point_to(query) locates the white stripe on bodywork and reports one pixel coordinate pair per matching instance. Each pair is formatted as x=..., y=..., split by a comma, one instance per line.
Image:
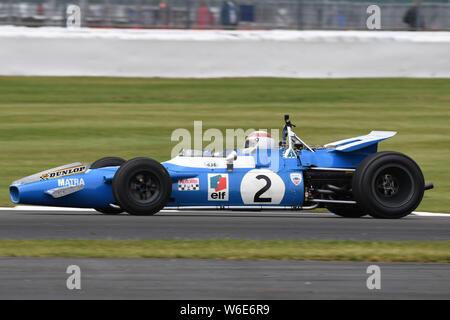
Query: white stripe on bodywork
x=64, y=191
x=331, y=169
x=212, y=162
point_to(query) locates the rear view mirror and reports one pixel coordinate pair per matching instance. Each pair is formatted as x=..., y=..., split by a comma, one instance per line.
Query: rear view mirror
x=230, y=159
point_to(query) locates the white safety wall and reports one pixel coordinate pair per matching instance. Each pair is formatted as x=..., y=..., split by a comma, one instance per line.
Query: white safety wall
x=191, y=53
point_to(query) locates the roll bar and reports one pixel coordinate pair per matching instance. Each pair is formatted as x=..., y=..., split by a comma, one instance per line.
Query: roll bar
x=290, y=135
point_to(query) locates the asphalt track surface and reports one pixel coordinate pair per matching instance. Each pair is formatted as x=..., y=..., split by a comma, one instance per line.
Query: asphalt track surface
x=45, y=278
x=16, y=224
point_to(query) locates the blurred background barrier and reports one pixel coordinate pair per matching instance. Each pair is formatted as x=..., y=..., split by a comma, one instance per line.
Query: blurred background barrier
x=220, y=53
x=246, y=14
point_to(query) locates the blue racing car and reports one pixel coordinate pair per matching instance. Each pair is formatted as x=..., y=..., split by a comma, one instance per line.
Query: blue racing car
x=348, y=177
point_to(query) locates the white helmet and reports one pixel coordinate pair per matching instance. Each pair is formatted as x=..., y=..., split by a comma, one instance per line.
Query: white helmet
x=259, y=139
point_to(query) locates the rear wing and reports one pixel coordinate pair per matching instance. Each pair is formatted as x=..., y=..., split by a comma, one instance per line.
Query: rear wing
x=360, y=142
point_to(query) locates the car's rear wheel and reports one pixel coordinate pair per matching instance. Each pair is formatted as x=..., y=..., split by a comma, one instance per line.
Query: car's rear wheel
x=108, y=162
x=388, y=185
x=142, y=186
x=347, y=211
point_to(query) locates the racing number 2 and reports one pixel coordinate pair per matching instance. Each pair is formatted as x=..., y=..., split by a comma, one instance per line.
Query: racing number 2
x=262, y=187
x=266, y=187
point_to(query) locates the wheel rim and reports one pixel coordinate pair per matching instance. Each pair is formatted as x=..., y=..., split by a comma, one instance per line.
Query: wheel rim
x=387, y=185
x=393, y=185
x=144, y=187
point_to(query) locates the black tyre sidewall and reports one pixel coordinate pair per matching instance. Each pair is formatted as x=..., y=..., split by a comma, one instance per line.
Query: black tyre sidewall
x=364, y=191
x=108, y=162
x=121, y=188
x=347, y=211
x=109, y=211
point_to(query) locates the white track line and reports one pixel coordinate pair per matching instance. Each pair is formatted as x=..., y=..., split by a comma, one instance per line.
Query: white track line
x=431, y=214
x=42, y=208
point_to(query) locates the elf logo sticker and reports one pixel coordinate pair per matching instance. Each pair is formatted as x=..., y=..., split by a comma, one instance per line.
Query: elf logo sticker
x=217, y=187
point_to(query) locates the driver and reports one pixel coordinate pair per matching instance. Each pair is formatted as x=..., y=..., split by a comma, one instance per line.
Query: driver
x=260, y=140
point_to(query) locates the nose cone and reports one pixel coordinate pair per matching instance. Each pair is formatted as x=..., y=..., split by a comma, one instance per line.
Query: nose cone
x=14, y=194
x=85, y=190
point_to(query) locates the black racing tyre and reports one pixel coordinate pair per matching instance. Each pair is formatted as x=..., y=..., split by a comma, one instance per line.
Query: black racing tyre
x=388, y=185
x=109, y=211
x=142, y=186
x=108, y=162
x=347, y=211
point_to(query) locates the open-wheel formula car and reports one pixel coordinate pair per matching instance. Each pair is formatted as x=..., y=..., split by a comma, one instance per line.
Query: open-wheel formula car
x=348, y=177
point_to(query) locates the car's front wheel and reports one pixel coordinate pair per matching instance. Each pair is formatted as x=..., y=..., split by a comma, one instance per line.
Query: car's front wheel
x=142, y=186
x=388, y=185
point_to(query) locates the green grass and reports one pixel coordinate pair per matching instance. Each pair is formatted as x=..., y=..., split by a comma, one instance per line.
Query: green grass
x=412, y=251
x=49, y=121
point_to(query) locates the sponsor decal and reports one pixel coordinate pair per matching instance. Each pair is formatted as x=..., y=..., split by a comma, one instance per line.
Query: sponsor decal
x=70, y=182
x=218, y=187
x=262, y=187
x=191, y=184
x=296, y=178
x=64, y=172
x=291, y=154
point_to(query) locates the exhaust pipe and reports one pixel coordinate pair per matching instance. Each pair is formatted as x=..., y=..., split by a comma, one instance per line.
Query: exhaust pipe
x=428, y=186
